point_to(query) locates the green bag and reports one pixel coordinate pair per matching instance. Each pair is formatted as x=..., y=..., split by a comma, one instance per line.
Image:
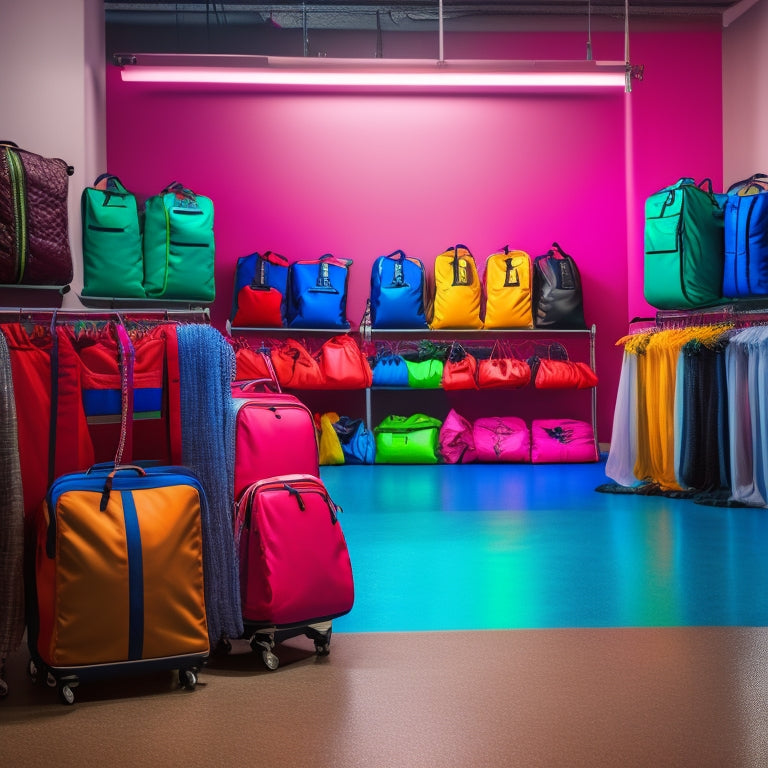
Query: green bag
x=684, y=246
x=407, y=439
x=179, y=246
x=425, y=374
x=113, y=266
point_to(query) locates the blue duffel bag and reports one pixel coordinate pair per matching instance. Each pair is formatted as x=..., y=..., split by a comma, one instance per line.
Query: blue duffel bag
x=745, y=270
x=317, y=293
x=398, y=292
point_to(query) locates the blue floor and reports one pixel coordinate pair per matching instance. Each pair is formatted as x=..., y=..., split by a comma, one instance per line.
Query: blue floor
x=514, y=546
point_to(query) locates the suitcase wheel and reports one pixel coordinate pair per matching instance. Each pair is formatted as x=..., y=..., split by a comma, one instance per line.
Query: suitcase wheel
x=66, y=694
x=188, y=679
x=266, y=643
x=322, y=640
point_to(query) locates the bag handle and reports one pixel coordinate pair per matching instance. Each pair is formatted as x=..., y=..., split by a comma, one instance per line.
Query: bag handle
x=558, y=252
x=180, y=189
x=110, y=479
x=759, y=180
x=273, y=258
x=461, y=275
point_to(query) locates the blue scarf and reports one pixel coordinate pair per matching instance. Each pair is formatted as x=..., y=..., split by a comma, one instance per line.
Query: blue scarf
x=206, y=367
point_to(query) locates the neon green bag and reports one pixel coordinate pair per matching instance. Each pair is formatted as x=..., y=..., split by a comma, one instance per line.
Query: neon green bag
x=113, y=265
x=179, y=246
x=407, y=439
x=425, y=374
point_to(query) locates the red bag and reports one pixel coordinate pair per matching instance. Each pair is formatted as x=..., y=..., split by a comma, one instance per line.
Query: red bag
x=343, y=364
x=587, y=377
x=556, y=374
x=503, y=373
x=459, y=370
x=259, y=307
x=252, y=364
x=295, y=368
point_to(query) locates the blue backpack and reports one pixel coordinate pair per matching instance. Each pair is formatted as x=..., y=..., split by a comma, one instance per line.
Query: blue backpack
x=745, y=270
x=398, y=292
x=260, y=291
x=317, y=293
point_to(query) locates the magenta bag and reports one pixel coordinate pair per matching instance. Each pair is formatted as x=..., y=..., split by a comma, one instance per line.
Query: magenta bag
x=562, y=441
x=457, y=444
x=502, y=438
x=294, y=563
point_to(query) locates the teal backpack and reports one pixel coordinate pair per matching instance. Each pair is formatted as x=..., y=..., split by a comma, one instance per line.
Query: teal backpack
x=684, y=246
x=179, y=246
x=112, y=255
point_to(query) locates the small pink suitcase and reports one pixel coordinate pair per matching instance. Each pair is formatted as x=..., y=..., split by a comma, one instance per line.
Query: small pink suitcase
x=295, y=571
x=274, y=435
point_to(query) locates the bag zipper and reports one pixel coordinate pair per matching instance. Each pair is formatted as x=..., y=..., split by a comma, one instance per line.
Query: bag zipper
x=19, y=195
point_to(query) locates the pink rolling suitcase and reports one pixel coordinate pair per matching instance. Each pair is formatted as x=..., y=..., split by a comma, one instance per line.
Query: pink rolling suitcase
x=295, y=571
x=274, y=435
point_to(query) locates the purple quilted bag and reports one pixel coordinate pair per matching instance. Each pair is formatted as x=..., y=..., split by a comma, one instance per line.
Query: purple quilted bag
x=34, y=218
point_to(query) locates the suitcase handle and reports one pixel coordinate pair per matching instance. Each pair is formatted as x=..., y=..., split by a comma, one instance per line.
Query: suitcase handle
x=108, y=482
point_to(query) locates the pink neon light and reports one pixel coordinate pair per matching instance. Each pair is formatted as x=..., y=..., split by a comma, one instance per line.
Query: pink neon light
x=373, y=79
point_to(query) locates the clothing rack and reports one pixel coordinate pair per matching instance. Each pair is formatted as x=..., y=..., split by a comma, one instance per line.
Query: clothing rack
x=741, y=314
x=63, y=316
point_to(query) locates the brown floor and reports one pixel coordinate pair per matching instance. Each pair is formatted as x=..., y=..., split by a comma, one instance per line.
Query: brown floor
x=567, y=697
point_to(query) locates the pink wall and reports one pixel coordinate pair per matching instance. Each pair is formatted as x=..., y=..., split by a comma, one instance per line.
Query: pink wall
x=360, y=176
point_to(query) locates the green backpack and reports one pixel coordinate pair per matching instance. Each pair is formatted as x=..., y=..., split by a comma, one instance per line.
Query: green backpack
x=179, y=246
x=684, y=246
x=112, y=257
